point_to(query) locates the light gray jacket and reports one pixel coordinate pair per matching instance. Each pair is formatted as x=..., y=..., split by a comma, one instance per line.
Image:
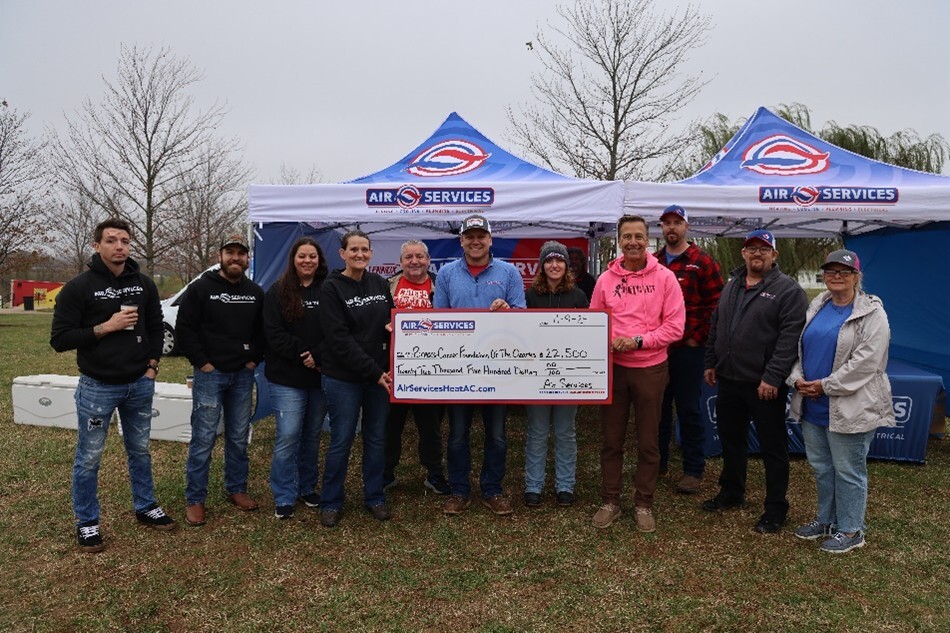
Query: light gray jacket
x=858, y=390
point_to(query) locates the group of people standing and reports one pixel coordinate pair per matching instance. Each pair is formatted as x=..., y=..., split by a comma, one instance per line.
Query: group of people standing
x=325, y=337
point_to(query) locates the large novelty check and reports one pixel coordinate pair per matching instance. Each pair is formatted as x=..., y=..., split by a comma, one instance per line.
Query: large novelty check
x=528, y=356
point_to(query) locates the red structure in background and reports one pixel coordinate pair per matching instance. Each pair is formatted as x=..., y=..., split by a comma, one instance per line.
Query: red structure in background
x=20, y=288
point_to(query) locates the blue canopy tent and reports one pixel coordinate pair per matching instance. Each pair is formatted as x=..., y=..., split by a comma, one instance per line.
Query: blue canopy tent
x=455, y=172
x=775, y=175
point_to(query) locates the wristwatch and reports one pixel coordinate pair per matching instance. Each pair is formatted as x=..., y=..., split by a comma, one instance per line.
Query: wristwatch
x=153, y=366
x=639, y=341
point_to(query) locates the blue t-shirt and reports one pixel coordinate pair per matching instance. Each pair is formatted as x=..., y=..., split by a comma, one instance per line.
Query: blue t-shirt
x=819, y=342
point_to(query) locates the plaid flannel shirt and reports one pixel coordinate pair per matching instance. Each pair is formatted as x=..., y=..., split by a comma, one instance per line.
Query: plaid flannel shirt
x=701, y=281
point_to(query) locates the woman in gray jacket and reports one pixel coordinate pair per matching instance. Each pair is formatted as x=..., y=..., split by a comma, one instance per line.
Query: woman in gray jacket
x=842, y=395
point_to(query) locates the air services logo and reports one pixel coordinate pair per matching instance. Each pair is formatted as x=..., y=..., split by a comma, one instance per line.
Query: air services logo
x=781, y=155
x=411, y=197
x=448, y=158
x=431, y=325
x=825, y=195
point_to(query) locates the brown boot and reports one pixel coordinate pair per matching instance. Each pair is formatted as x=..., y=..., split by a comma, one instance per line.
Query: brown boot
x=689, y=485
x=195, y=514
x=243, y=501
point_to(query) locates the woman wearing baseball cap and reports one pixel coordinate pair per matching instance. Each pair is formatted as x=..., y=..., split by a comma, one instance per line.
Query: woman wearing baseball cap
x=842, y=395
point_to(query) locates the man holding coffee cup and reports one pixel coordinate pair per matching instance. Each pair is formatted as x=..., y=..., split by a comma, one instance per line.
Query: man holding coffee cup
x=112, y=317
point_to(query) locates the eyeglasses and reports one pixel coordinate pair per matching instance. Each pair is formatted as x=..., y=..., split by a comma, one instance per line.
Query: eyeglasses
x=755, y=250
x=844, y=274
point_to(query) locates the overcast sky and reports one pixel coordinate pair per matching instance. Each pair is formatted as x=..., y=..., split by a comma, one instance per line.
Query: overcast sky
x=351, y=87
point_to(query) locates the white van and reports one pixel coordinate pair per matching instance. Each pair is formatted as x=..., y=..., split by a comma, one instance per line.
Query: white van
x=170, y=316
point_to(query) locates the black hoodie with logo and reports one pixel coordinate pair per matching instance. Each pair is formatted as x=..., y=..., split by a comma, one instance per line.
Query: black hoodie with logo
x=287, y=340
x=92, y=298
x=353, y=316
x=220, y=322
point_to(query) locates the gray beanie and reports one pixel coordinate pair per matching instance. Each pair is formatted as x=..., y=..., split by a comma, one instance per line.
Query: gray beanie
x=553, y=249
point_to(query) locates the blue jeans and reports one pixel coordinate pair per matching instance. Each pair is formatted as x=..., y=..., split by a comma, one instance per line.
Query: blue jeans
x=295, y=468
x=95, y=402
x=459, y=454
x=211, y=393
x=685, y=389
x=344, y=401
x=841, y=472
x=540, y=419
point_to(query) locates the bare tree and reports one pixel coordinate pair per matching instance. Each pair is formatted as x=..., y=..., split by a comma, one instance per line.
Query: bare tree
x=73, y=220
x=612, y=82
x=129, y=154
x=212, y=206
x=23, y=187
x=292, y=176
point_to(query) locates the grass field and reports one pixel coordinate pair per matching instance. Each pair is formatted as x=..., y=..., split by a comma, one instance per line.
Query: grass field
x=541, y=570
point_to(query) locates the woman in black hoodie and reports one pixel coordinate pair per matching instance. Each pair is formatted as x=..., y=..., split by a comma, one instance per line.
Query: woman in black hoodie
x=293, y=371
x=355, y=307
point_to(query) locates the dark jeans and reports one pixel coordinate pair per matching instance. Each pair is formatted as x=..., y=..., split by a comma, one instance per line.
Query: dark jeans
x=345, y=401
x=428, y=418
x=685, y=388
x=736, y=403
x=459, y=454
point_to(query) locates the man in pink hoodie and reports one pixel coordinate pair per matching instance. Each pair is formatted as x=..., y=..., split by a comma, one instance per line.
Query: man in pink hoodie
x=647, y=314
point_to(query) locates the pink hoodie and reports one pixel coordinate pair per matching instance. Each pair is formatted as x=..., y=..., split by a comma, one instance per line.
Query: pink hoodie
x=647, y=303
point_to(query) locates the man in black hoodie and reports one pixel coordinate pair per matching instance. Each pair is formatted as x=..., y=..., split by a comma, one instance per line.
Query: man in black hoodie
x=220, y=331
x=753, y=343
x=111, y=316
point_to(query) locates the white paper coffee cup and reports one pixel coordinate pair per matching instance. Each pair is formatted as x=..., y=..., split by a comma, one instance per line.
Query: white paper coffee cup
x=129, y=307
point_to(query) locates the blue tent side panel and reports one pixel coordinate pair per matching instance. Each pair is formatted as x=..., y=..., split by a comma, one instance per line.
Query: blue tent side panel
x=457, y=152
x=272, y=243
x=906, y=270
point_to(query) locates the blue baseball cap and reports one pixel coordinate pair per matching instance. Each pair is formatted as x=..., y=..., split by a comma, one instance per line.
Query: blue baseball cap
x=676, y=210
x=762, y=235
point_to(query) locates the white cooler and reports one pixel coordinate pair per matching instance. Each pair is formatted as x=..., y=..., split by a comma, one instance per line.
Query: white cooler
x=47, y=400
x=171, y=412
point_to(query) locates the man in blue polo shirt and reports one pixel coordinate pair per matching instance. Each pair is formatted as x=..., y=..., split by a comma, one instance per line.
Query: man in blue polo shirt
x=478, y=280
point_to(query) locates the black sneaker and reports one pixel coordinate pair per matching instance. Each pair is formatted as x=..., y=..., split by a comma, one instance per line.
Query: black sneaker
x=155, y=517
x=717, y=504
x=311, y=500
x=565, y=498
x=88, y=537
x=770, y=525
x=532, y=499
x=438, y=485
x=284, y=512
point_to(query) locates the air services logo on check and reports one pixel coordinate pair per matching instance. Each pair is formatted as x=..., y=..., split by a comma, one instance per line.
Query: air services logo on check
x=425, y=326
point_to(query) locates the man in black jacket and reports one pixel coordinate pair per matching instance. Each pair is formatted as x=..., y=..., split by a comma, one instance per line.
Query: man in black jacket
x=753, y=343
x=220, y=331
x=111, y=316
